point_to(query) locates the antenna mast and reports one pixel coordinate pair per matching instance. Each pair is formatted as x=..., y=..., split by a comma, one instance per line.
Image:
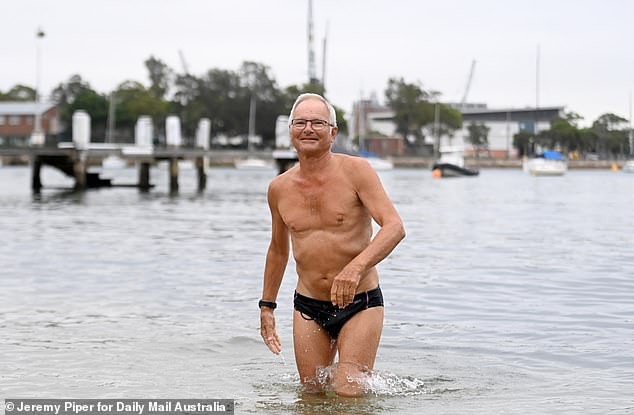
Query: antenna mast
x=312, y=76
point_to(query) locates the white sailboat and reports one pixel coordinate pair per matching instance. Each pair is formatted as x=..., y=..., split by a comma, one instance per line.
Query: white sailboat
x=113, y=161
x=628, y=167
x=252, y=163
x=550, y=163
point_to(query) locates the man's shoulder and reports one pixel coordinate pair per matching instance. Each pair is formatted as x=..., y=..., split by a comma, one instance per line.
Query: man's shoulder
x=283, y=180
x=353, y=165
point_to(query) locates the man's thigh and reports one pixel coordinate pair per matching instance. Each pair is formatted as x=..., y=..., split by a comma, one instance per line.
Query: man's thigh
x=313, y=347
x=359, y=338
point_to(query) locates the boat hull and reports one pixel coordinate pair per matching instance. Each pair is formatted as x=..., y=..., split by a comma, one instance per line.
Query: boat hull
x=452, y=170
x=545, y=167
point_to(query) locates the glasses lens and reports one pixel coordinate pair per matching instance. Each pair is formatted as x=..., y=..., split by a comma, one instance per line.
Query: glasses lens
x=318, y=124
x=299, y=124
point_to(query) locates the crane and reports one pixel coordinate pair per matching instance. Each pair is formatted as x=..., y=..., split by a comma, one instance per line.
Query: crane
x=183, y=62
x=466, y=90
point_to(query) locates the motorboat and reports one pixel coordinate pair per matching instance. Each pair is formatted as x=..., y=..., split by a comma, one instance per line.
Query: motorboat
x=550, y=163
x=451, y=164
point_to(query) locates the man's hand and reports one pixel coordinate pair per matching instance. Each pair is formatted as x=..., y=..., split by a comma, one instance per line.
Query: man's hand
x=344, y=286
x=267, y=330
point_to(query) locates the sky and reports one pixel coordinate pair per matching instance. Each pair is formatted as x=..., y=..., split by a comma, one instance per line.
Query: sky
x=586, y=57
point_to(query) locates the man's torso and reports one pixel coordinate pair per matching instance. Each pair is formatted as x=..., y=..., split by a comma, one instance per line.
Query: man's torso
x=328, y=225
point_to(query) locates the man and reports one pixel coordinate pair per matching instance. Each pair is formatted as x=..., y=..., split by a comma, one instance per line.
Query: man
x=326, y=205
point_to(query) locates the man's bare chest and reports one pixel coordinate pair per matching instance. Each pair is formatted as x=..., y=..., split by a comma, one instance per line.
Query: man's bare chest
x=319, y=207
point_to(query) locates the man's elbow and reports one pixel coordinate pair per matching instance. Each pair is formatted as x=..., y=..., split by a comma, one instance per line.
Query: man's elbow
x=402, y=232
x=399, y=230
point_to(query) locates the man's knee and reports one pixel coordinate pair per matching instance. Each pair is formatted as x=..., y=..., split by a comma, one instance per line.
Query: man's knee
x=350, y=380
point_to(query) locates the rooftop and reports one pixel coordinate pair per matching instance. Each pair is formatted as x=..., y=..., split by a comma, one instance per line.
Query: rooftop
x=24, y=108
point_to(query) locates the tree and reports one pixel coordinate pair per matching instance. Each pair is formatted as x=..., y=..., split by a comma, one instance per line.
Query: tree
x=611, y=133
x=478, y=136
x=413, y=109
x=76, y=94
x=160, y=76
x=522, y=141
x=19, y=93
x=134, y=100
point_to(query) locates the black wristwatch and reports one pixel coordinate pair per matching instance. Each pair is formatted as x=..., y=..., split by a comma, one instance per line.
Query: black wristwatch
x=269, y=304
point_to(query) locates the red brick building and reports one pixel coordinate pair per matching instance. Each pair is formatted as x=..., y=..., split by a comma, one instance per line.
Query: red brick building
x=17, y=121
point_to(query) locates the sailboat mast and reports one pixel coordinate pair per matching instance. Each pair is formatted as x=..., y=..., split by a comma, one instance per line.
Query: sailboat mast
x=251, y=121
x=631, y=138
x=111, y=118
x=536, y=90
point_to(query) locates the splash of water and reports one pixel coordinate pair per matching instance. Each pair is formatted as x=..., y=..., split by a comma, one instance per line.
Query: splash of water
x=377, y=383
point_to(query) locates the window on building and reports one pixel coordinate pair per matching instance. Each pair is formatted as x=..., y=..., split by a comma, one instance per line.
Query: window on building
x=14, y=120
x=2, y=119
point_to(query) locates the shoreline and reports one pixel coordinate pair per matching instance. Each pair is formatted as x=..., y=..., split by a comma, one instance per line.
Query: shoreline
x=226, y=158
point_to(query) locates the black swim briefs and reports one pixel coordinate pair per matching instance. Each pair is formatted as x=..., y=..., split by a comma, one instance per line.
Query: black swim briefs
x=332, y=318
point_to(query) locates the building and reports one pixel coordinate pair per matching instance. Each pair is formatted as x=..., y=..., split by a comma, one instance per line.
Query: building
x=372, y=126
x=372, y=123
x=17, y=121
x=503, y=124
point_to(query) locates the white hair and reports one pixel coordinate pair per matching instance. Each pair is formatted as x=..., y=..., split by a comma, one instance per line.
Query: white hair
x=306, y=96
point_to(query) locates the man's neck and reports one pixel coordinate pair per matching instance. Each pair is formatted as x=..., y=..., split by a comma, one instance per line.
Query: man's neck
x=312, y=165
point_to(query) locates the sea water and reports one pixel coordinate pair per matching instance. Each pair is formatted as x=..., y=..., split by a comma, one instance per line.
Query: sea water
x=510, y=294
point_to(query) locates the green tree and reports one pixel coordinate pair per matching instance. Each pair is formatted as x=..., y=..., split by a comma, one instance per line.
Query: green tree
x=611, y=132
x=134, y=100
x=478, y=136
x=76, y=94
x=160, y=76
x=523, y=141
x=415, y=108
x=18, y=93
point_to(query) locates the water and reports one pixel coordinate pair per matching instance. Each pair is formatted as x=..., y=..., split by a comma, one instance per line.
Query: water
x=510, y=295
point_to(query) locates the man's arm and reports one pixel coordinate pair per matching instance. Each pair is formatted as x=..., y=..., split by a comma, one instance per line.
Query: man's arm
x=276, y=260
x=375, y=199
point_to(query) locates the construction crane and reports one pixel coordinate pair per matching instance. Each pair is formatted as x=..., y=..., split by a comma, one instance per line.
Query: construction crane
x=183, y=62
x=466, y=90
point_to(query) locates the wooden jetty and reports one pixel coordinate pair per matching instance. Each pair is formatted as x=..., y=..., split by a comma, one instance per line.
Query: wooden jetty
x=74, y=162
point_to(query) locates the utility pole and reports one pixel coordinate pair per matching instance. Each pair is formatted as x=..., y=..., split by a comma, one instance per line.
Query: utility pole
x=37, y=136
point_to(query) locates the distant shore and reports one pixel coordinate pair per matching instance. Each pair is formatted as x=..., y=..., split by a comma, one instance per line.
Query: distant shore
x=226, y=158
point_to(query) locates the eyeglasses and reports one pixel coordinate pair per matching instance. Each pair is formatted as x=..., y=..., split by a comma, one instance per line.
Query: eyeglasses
x=300, y=124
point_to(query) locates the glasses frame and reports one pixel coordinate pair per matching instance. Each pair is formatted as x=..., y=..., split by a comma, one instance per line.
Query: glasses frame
x=311, y=124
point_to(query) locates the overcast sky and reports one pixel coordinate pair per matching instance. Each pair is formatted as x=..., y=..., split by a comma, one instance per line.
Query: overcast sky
x=586, y=46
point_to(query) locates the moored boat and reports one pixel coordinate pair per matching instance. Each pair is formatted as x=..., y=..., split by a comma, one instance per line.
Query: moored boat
x=550, y=163
x=451, y=164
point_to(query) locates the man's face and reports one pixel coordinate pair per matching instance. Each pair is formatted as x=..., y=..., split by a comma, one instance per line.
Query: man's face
x=310, y=139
